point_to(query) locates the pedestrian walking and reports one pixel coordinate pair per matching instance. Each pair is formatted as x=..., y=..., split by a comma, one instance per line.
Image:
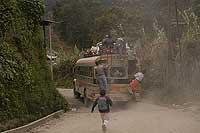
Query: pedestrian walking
x=135, y=85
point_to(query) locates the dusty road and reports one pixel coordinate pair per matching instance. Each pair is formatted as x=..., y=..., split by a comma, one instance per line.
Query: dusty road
x=140, y=117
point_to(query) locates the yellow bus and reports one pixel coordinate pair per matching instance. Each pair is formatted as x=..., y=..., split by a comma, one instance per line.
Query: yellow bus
x=85, y=81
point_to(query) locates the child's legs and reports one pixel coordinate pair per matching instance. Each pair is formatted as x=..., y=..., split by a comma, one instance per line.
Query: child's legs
x=100, y=82
x=104, y=116
x=105, y=84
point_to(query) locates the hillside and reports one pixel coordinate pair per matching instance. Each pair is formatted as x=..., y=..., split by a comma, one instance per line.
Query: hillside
x=26, y=91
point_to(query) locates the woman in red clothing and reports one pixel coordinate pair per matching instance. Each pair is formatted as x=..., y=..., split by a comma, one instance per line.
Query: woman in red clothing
x=135, y=85
x=135, y=89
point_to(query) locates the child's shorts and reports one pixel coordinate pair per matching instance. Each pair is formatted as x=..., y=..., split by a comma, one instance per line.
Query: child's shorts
x=105, y=116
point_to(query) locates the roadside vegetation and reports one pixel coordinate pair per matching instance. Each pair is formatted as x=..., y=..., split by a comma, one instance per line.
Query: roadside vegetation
x=63, y=71
x=171, y=56
x=26, y=90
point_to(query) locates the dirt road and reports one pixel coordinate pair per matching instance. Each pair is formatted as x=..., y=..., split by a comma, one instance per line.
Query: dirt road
x=142, y=117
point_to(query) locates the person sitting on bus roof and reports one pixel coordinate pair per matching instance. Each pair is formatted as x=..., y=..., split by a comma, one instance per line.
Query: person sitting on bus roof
x=108, y=42
x=101, y=76
x=95, y=50
x=99, y=47
x=120, y=46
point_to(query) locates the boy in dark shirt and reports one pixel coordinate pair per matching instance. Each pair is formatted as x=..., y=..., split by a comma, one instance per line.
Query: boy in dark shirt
x=104, y=103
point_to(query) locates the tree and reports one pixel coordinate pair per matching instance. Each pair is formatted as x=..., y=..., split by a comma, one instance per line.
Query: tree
x=86, y=22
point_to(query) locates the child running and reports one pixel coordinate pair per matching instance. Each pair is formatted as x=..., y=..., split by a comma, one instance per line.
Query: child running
x=104, y=103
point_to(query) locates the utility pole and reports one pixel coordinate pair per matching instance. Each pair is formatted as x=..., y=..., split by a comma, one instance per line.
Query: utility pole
x=180, y=77
x=178, y=31
x=168, y=48
x=50, y=47
x=48, y=23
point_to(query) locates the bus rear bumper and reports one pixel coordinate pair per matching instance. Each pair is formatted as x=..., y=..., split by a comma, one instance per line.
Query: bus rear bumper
x=119, y=97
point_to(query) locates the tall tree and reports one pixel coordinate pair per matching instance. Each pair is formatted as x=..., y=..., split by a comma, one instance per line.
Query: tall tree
x=85, y=22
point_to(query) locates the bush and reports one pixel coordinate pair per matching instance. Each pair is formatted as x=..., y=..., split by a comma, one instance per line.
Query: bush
x=63, y=72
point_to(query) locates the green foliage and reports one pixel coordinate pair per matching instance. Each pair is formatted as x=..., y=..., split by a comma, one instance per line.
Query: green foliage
x=63, y=72
x=6, y=13
x=26, y=91
x=196, y=7
x=76, y=50
x=177, y=64
x=85, y=22
x=32, y=10
x=192, y=26
x=75, y=22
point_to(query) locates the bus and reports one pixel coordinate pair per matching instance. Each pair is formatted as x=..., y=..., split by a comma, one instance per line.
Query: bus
x=85, y=81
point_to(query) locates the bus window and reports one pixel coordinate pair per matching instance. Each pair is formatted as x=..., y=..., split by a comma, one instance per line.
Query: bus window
x=83, y=70
x=91, y=72
x=76, y=70
x=117, y=72
x=86, y=71
x=103, y=62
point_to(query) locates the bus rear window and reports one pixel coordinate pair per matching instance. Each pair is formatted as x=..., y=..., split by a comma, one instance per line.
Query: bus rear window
x=117, y=72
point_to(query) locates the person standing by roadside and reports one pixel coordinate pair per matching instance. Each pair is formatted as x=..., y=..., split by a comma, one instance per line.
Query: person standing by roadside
x=101, y=76
x=104, y=103
x=135, y=85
